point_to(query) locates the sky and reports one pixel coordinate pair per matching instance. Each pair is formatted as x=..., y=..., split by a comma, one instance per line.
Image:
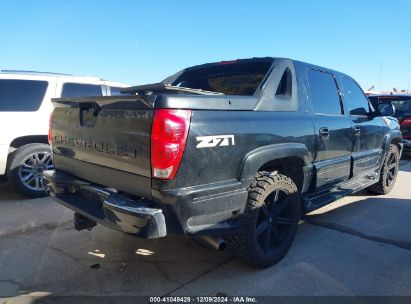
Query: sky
x=138, y=41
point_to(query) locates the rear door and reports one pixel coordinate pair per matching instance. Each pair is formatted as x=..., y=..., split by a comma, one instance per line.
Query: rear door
x=368, y=130
x=334, y=136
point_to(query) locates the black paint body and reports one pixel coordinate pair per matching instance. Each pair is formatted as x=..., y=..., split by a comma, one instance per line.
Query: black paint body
x=209, y=191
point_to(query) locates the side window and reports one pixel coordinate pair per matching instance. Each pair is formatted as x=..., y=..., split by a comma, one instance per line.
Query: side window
x=354, y=98
x=80, y=89
x=324, y=94
x=21, y=95
x=285, y=85
x=116, y=91
x=374, y=101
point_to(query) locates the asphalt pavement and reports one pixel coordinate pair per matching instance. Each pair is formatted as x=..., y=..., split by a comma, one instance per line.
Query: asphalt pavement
x=360, y=245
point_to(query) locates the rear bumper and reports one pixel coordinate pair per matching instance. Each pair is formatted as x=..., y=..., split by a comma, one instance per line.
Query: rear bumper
x=199, y=210
x=106, y=207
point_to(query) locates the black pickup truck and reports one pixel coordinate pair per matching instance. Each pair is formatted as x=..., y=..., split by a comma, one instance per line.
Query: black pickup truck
x=233, y=152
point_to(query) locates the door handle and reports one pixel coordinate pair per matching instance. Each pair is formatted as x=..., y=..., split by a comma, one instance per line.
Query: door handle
x=324, y=132
x=357, y=130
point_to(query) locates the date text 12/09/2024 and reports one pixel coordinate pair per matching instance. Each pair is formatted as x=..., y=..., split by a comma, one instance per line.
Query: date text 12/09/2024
x=201, y=299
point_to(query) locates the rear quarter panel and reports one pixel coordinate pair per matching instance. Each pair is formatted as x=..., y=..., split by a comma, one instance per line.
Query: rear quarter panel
x=250, y=129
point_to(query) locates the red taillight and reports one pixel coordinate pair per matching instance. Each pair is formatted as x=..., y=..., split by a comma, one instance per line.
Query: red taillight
x=168, y=140
x=406, y=121
x=50, y=136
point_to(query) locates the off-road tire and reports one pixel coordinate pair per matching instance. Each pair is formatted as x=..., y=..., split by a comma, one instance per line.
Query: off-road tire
x=245, y=244
x=381, y=187
x=16, y=160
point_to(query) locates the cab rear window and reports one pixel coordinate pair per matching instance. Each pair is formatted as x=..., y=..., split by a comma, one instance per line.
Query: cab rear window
x=21, y=95
x=240, y=77
x=244, y=84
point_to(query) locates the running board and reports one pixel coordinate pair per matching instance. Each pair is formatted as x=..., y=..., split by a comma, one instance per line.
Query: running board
x=325, y=197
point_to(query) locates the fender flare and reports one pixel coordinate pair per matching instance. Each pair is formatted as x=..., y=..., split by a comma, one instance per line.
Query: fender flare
x=388, y=139
x=257, y=158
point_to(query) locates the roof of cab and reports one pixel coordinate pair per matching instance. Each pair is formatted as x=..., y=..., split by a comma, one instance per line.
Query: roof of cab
x=271, y=59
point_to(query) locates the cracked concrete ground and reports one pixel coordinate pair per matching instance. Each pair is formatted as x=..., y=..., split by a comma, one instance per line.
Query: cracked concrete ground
x=360, y=245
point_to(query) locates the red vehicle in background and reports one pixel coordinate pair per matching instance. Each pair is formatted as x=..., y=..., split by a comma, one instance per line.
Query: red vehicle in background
x=402, y=106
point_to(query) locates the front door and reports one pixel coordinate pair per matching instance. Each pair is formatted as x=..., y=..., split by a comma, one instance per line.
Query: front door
x=333, y=129
x=367, y=130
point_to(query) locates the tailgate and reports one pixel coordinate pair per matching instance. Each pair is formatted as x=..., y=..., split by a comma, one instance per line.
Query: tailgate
x=110, y=132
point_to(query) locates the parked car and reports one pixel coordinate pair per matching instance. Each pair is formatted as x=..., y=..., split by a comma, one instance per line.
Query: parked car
x=402, y=106
x=25, y=108
x=231, y=151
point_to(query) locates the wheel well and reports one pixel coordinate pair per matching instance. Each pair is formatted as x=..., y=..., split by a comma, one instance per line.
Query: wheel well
x=290, y=166
x=396, y=141
x=24, y=140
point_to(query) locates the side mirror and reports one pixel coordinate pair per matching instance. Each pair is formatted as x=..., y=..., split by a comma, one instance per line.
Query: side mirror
x=385, y=109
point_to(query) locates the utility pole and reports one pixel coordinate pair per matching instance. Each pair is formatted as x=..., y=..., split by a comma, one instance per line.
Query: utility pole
x=380, y=75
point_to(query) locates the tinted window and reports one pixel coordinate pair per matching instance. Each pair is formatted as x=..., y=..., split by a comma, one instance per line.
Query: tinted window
x=402, y=107
x=21, y=95
x=285, y=85
x=240, y=77
x=79, y=89
x=324, y=95
x=373, y=100
x=354, y=98
x=402, y=104
x=244, y=84
x=116, y=91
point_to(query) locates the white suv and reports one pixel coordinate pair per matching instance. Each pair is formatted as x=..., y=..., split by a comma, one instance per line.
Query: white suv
x=25, y=108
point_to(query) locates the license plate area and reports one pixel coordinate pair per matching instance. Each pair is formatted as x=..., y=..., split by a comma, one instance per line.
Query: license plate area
x=92, y=194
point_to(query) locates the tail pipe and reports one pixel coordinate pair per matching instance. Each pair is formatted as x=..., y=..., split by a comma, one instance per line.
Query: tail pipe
x=216, y=243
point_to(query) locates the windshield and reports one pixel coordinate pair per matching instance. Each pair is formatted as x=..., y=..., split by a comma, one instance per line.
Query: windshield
x=240, y=77
x=402, y=104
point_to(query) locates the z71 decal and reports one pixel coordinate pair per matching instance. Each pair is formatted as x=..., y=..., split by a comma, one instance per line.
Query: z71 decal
x=214, y=141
